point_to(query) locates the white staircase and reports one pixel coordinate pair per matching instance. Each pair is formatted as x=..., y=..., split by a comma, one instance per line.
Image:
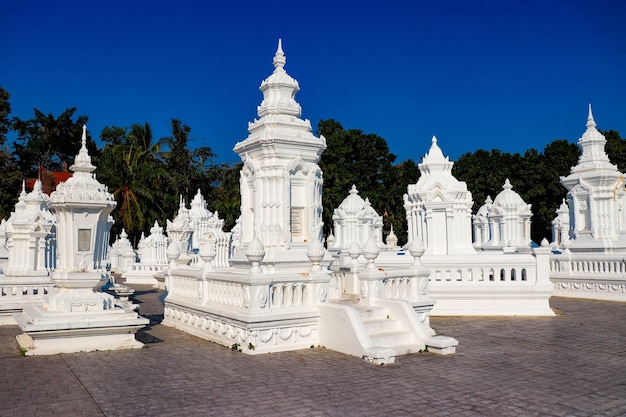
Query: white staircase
x=377, y=332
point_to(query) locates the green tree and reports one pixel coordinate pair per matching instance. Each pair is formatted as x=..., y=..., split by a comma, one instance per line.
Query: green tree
x=616, y=149
x=9, y=174
x=353, y=157
x=224, y=196
x=5, y=111
x=48, y=141
x=131, y=167
x=396, y=180
x=534, y=176
x=485, y=173
x=559, y=157
x=187, y=168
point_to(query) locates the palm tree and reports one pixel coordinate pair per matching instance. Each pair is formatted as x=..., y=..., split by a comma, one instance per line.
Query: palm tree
x=137, y=176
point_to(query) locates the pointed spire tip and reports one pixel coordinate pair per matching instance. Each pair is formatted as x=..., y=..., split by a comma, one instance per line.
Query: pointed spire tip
x=279, y=57
x=590, y=121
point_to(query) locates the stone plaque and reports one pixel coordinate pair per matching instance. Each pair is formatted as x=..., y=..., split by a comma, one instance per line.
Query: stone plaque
x=296, y=221
x=84, y=240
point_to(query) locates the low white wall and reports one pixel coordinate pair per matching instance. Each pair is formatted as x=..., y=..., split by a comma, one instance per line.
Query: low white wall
x=594, y=276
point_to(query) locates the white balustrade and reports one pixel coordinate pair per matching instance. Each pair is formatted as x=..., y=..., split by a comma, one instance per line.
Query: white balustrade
x=282, y=295
x=24, y=291
x=289, y=294
x=594, y=276
x=138, y=267
x=185, y=286
x=489, y=273
x=224, y=293
x=400, y=287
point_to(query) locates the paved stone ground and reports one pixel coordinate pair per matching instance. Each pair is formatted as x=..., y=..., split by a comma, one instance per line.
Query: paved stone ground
x=570, y=365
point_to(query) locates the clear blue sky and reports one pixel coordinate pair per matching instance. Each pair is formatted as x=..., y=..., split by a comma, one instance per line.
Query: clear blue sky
x=477, y=74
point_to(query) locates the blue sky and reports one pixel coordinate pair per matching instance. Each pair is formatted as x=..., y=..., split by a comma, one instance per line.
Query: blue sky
x=477, y=74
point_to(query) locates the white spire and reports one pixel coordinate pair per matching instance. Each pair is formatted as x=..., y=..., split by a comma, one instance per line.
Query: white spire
x=279, y=58
x=23, y=193
x=82, y=162
x=590, y=121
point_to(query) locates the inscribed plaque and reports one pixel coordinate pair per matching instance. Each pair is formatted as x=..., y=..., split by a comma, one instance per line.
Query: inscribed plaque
x=84, y=240
x=296, y=221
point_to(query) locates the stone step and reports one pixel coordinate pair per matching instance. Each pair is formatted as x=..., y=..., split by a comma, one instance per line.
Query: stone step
x=407, y=349
x=372, y=313
x=391, y=339
x=381, y=325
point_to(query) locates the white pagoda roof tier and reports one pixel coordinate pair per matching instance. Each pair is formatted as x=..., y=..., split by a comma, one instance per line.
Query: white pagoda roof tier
x=436, y=177
x=82, y=186
x=593, y=156
x=280, y=125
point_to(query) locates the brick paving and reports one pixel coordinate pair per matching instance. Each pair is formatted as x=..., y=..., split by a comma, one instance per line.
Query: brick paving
x=570, y=365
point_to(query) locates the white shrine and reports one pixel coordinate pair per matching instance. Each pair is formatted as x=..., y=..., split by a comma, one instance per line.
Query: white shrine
x=596, y=197
x=152, y=253
x=121, y=254
x=200, y=217
x=497, y=274
x=439, y=207
x=503, y=224
x=589, y=231
x=276, y=295
x=75, y=316
x=180, y=229
x=30, y=233
x=355, y=220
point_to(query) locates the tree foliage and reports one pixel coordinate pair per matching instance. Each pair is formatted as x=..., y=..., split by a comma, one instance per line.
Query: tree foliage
x=5, y=111
x=9, y=174
x=48, y=141
x=616, y=149
x=187, y=168
x=224, y=196
x=534, y=176
x=351, y=157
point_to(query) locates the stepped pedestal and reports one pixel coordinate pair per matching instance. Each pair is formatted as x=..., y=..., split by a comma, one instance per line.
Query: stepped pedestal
x=77, y=320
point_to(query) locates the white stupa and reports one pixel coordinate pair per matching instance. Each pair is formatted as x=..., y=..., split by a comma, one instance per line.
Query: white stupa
x=439, y=207
x=76, y=316
x=596, y=197
x=267, y=300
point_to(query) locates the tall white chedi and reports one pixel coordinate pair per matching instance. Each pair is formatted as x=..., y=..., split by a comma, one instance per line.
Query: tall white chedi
x=76, y=316
x=595, y=196
x=439, y=207
x=266, y=299
x=281, y=183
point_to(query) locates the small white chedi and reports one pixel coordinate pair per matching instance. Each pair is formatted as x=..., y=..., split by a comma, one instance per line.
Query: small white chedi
x=75, y=316
x=595, y=197
x=30, y=233
x=589, y=232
